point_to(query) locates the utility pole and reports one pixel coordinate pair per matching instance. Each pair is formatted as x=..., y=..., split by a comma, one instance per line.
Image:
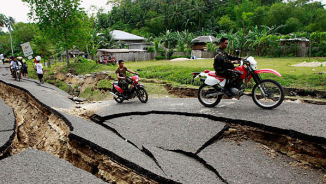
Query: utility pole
x=12, y=51
x=8, y=25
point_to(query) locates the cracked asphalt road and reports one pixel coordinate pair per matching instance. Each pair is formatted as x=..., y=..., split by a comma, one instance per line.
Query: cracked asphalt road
x=163, y=135
x=302, y=117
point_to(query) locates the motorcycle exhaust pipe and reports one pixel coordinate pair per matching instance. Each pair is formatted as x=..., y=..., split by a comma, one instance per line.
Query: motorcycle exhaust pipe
x=114, y=95
x=214, y=94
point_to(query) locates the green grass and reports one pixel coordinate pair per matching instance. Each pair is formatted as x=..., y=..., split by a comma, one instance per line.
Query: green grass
x=63, y=86
x=104, y=84
x=180, y=72
x=157, y=91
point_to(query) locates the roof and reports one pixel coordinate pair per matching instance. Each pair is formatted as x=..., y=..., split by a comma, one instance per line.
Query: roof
x=139, y=44
x=295, y=39
x=120, y=50
x=205, y=39
x=121, y=35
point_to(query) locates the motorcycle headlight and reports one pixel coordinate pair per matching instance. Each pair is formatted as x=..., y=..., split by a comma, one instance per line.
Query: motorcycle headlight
x=254, y=66
x=137, y=80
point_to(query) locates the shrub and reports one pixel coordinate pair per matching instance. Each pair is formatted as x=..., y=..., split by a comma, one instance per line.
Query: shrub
x=65, y=87
x=160, y=57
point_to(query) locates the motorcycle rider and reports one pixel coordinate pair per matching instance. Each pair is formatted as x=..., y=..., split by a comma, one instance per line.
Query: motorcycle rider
x=13, y=64
x=223, y=65
x=121, y=73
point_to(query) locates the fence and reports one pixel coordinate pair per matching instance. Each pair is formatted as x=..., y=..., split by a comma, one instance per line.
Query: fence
x=202, y=54
x=134, y=56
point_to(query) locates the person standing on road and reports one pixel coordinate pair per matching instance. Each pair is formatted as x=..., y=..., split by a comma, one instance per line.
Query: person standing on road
x=25, y=69
x=121, y=73
x=39, y=68
x=223, y=64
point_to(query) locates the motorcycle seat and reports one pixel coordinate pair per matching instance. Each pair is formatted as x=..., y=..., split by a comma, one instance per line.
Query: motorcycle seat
x=213, y=74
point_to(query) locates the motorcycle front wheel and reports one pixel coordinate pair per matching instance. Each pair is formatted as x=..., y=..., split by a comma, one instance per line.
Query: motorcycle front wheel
x=268, y=94
x=142, y=95
x=117, y=99
x=205, y=96
x=18, y=76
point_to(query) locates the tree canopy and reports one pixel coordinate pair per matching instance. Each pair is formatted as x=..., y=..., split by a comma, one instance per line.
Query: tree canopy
x=157, y=16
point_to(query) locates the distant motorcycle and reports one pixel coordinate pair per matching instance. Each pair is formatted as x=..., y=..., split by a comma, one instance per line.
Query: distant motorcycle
x=136, y=89
x=267, y=93
x=17, y=74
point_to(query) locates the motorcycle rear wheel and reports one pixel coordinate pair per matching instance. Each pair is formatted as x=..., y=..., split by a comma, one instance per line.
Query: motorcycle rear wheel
x=118, y=99
x=205, y=90
x=268, y=94
x=142, y=95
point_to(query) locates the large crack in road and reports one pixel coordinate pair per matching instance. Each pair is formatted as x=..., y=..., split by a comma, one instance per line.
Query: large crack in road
x=40, y=127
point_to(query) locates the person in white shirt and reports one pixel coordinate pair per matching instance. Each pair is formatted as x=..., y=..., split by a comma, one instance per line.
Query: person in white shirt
x=39, y=68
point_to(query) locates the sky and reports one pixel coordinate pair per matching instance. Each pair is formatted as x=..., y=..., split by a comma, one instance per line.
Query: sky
x=19, y=10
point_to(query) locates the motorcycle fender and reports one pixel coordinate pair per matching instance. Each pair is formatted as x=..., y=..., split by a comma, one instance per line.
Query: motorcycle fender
x=268, y=71
x=142, y=85
x=118, y=88
x=211, y=81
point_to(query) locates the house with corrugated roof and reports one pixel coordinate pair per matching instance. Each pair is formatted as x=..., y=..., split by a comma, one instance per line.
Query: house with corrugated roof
x=137, y=48
x=301, y=46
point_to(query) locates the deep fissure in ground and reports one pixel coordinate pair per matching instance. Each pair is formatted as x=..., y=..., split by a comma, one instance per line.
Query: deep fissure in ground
x=39, y=127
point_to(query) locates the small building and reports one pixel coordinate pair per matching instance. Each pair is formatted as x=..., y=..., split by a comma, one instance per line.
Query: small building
x=200, y=42
x=137, y=48
x=301, y=44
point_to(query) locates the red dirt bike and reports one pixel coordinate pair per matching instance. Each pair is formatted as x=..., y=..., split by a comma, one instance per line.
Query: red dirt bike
x=267, y=93
x=136, y=89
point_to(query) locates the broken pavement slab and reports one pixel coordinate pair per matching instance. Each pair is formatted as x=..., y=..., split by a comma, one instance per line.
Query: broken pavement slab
x=232, y=160
x=167, y=131
x=7, y=125
x=34, y=166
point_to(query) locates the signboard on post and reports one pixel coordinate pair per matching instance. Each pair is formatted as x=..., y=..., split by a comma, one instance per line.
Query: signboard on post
x=27, y=49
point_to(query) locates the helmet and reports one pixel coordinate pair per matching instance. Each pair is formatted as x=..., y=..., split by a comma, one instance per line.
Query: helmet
x=38, y=58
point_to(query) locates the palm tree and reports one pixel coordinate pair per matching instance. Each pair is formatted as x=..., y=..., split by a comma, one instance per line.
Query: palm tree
x=158, y=47
x=167, y=39
x=105, y=39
